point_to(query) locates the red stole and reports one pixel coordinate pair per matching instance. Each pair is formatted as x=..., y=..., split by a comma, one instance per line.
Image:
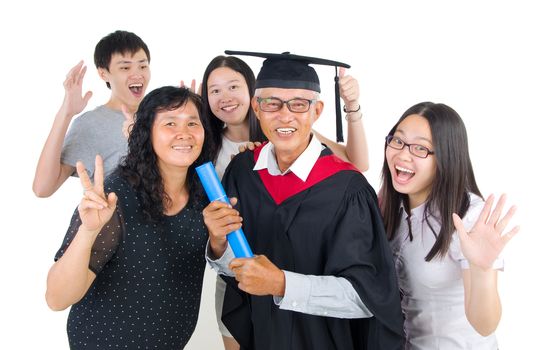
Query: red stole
x=281, y=187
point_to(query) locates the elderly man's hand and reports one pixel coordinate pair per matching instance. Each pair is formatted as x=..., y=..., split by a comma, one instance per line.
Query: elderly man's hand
x=258, y=276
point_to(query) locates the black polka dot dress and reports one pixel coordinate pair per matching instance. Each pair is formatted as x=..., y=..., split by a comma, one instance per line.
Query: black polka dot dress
x=149, y=278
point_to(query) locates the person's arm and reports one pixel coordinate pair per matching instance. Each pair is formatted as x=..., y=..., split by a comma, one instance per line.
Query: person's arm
x=221, y=264
x=481, y=247
x=356, y=150
x=481, y=299
x=50, y=173
x=70, y=277
x=328, y=296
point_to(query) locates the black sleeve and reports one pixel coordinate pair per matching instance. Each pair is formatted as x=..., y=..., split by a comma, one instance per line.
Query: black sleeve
x=236, y=313
x=359, y=252
x=105, y=244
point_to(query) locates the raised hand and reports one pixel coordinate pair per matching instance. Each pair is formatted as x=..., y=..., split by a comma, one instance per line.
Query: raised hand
x=349, y=90
x=485, y=241
x=128, y=122
x=95, y=208
x=73, y=101
x=192, y=86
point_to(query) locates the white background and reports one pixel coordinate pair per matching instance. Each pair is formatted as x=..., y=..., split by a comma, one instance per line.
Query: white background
x=478, y=57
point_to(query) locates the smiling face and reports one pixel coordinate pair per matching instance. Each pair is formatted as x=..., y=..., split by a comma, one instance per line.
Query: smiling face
x=228, y=95
x=289, y=132
x=410, y=174
x=128, y=75
x=177, y=137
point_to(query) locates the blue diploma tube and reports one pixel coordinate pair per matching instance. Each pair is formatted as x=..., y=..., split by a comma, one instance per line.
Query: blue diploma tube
x=215, y=192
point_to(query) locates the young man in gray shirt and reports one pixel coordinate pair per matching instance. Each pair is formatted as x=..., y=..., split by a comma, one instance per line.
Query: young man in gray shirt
x=122, y=60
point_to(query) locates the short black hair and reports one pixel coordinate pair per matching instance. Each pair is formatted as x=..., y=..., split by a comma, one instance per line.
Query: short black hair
x=121, y=42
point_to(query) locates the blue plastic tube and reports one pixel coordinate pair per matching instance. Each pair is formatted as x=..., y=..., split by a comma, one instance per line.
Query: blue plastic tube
x=215, y=192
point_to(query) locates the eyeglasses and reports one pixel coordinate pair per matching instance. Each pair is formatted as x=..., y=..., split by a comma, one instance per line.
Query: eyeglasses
x=415, y=149
x=274, y=104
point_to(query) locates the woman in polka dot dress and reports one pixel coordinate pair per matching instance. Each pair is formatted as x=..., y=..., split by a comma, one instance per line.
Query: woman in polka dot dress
x=132, y=261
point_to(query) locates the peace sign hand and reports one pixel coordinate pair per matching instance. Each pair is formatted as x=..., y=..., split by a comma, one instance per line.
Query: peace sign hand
x=95, y=208
x=192, y=86
x=485, y=241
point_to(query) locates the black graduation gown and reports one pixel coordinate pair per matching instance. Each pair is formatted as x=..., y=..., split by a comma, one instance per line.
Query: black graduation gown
x=330, y=225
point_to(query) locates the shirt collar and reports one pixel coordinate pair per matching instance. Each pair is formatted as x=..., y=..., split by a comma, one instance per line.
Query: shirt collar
x=301, y=167
x=417, y=212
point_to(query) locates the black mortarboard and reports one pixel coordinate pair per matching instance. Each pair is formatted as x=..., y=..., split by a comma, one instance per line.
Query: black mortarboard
x=290, y=71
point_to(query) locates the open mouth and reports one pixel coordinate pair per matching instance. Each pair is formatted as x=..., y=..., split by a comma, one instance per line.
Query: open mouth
x=182, y=147
x=229, y=108
x=285, y=131
x=404, y=173
x=136, y=88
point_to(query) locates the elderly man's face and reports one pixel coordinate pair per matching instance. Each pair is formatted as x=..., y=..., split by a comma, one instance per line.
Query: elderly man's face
x=288, y=131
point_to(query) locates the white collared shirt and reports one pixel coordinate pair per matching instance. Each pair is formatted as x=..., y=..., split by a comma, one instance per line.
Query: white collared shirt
x=433, y=291
x=301, y=167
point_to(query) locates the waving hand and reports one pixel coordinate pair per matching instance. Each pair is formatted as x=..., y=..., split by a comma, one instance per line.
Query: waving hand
x=73, y=101
x=485, y=241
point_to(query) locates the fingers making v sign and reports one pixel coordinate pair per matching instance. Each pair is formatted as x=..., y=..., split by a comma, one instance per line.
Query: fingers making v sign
x=192, y=86
x=96, y=207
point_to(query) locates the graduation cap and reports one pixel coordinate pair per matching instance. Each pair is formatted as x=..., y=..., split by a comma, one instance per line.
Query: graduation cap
x=290, y=71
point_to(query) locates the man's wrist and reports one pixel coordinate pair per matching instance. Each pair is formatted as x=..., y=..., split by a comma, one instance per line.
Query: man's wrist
x=217, y=249
x=280, y=289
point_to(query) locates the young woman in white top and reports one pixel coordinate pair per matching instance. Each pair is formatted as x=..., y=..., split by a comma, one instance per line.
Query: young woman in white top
x=448, y=282
x=226, y=90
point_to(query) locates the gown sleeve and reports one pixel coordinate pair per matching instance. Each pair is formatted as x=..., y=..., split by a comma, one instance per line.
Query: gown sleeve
x=236, y=312
x=359, y=252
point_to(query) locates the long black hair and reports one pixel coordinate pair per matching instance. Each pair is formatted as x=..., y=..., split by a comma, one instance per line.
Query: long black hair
x=216, y=125
x=140, y=166
x=453, y=181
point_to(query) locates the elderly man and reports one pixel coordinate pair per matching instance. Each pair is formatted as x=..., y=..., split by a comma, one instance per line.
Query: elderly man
x=323, y=276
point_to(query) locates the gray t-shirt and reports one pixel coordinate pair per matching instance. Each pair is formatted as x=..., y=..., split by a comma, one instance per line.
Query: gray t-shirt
x=95, y=132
